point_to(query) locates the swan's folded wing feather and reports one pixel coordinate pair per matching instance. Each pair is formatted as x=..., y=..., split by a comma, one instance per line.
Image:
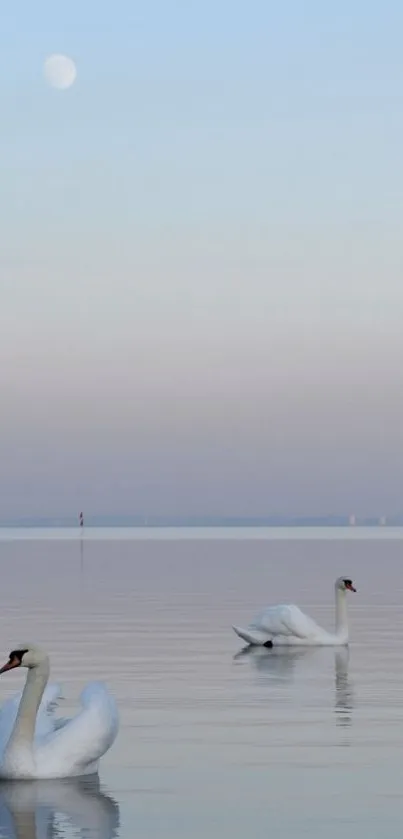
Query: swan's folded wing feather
x=81, y=741
x=286, y=620
x=44, y=721
x=60, y=722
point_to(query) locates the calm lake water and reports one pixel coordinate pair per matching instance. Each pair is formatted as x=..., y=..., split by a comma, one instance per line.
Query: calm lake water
x=214, y=743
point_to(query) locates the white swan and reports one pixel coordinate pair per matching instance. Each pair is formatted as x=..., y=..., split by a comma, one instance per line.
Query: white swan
x=36, y=744
x=280, y=625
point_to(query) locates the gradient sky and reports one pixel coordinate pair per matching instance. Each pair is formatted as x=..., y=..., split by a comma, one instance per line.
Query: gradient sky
x=201, y=278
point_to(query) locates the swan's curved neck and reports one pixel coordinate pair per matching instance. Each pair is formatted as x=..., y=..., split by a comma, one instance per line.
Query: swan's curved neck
x=24, y=726
x=341, y=614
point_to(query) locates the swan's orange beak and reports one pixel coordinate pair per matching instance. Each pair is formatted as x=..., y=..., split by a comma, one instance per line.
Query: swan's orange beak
x=13, y=662
x=350, y=587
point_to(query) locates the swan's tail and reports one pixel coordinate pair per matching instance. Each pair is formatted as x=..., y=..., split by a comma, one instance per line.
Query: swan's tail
x=253, y=636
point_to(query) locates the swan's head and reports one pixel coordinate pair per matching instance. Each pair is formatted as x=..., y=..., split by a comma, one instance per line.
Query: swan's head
x=345, y=584
x=25, y=655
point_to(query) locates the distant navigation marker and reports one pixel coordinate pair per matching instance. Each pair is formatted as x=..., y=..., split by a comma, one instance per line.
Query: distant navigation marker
x=81, y=521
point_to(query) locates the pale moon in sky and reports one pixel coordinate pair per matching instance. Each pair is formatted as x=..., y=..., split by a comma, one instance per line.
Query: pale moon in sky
x=60, y=71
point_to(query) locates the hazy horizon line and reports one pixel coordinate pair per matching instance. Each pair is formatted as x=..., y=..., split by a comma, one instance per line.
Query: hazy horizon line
x=96, y=520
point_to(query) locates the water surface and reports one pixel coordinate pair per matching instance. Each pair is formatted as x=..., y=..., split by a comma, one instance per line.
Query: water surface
x=214, y=742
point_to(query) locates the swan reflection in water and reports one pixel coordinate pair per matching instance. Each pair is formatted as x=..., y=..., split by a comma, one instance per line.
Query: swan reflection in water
x=277, y=662
x=57, y=810
x=280, y=664
x=344, y=700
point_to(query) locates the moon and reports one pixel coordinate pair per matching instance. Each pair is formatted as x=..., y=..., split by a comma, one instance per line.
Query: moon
x=60, y=71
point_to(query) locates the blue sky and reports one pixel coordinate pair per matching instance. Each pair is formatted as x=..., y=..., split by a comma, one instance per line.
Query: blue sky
x=201, y=259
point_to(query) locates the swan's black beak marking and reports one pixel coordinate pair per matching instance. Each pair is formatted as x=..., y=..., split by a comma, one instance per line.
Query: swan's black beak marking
x=14, y=660
x=349, y=585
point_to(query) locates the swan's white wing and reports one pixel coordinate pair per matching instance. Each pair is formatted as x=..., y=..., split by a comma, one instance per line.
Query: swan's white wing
x=76, y=747
x=252, y=635
x=286, y=620
x=45, y=722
